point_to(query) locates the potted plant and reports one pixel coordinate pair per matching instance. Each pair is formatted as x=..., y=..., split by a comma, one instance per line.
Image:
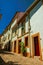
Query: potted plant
x=23, y=49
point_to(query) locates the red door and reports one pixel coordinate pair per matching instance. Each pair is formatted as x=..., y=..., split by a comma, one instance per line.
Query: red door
x=36, y=46
x=19, y=47
x=14, y=46
x=26, y=41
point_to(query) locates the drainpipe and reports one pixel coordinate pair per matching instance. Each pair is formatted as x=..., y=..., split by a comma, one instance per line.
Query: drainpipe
x=29, y=35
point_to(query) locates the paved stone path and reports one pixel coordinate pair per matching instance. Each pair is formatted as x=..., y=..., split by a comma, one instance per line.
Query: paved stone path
x=17, y=59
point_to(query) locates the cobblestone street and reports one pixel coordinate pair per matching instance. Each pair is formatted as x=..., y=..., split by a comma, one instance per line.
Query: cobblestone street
x=7, y=58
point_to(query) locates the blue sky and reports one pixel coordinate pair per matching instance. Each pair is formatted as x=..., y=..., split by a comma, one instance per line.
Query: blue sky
x=8, y=8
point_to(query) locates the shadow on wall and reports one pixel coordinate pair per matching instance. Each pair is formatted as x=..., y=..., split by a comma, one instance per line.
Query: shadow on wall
x=8, y=63
x=35, y=9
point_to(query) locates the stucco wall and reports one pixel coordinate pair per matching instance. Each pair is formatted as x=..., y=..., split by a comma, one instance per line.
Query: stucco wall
x=15, y=21
x=15, y=38
x=36, y=21
x=27, y=24
x=19, y=30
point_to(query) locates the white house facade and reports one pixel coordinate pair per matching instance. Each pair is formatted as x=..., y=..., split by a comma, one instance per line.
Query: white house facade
x=27, y=28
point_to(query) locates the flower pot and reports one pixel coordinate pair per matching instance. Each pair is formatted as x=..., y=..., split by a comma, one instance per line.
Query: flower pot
x=24, y=54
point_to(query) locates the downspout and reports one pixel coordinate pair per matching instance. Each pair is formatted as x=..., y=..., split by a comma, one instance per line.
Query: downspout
x=29, y=35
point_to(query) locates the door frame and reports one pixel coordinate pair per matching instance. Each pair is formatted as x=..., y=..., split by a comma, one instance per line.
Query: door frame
x=18, y=44
x=28, y=53
x=25, y=39
x=33, y=51
x=14, y=46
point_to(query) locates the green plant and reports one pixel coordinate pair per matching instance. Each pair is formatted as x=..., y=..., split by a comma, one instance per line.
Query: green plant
x=23, y=49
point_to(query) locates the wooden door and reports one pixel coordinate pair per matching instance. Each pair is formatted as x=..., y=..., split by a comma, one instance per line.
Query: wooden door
x=26, y=41
x=14, y=46
x=36, y=46
x=19, y=47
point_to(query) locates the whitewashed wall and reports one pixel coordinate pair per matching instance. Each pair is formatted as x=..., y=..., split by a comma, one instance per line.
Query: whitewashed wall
x=23, y=39
x=15, y=21
x=10, y=32
x=15, y=38
x=19, y=30
x=27, y=24
x=37, y=21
